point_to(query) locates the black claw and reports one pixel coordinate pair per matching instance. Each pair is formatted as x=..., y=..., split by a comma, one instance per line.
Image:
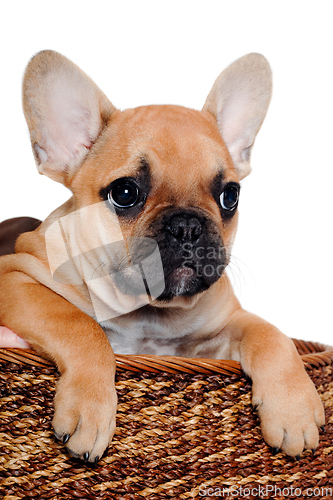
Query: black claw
x=86, y=456
x=323, y=428
x=275, y=450
x=313, y=451
x=56, y=436
x=96, y=460
x=255, y=407
x=298, y=457
x=65, y=438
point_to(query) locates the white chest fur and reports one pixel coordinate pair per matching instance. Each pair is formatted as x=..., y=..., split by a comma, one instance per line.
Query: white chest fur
x=152, y=332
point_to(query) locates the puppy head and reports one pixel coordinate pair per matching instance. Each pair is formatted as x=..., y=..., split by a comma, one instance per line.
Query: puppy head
x=160, y=173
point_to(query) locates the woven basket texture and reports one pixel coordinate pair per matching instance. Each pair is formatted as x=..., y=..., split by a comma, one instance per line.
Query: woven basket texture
x=179, y=435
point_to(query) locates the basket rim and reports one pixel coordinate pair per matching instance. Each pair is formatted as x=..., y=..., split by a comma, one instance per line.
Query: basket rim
x=312, y=354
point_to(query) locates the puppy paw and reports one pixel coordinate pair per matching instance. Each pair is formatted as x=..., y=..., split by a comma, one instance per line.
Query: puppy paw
x=290, y=414
x=85, y=415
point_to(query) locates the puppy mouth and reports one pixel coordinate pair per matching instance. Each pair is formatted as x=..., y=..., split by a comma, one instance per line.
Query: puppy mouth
x=182, y=279
x=182, y=273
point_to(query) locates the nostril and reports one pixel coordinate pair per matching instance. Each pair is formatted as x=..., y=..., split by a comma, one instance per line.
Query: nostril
x=195, y=227
x=177, y=226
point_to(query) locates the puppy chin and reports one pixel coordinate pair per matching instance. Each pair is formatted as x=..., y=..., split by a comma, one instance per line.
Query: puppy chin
x=182, y=282
x=176, y=302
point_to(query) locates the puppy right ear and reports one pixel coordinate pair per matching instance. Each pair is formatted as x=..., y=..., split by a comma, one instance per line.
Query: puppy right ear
x=65, y=112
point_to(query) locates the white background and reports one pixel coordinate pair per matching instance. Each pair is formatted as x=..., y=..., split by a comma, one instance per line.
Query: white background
x=160, y=52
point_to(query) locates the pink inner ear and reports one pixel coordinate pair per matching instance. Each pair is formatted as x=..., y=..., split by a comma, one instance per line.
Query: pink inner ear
x=65, y=135
x=70, y=124
x=234, y=121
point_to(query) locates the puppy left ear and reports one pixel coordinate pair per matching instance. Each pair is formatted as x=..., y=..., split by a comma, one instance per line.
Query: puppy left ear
x=239, y=101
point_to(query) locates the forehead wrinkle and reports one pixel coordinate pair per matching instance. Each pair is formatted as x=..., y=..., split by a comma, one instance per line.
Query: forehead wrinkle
x=197, y=159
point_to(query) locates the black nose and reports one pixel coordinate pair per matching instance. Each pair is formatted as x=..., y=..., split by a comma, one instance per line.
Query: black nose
x=185, y=228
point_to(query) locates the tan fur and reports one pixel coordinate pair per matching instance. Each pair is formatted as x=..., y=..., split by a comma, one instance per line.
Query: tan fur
x=185, y=150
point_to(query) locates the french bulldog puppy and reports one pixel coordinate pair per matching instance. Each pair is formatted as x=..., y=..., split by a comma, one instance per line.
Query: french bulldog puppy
x=134, y=262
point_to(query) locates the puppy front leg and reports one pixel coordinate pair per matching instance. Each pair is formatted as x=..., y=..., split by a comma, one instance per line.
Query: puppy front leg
x=86, y=400
x=288, y=404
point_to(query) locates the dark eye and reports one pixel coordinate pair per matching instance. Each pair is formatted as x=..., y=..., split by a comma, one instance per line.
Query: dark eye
x=229, y=197
x=124, y=194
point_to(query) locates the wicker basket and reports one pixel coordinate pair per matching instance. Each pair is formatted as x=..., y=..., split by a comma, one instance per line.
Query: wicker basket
x=185, y=429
